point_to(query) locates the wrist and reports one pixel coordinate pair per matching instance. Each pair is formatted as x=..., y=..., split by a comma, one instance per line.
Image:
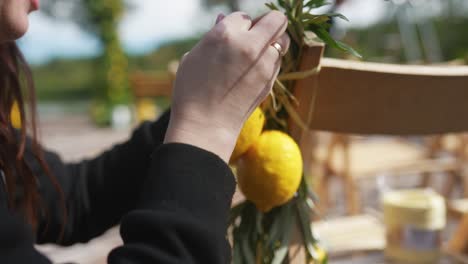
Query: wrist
x=210, y=136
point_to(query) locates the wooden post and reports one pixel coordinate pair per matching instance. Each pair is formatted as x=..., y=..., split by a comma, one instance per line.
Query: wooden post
x=307, y=88
x=311, y=59
x=312, y=55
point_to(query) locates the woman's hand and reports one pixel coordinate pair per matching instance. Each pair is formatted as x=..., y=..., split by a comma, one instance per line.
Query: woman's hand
x=221, y=81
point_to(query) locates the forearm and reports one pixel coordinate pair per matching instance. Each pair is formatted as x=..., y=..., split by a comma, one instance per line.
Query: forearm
x=216, y=138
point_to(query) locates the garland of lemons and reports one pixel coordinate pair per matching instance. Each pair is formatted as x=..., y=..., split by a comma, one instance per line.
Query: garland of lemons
x=268, y=162
x=269, y=169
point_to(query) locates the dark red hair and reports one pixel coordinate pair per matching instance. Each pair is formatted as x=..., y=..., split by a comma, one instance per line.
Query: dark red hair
x=16, y=79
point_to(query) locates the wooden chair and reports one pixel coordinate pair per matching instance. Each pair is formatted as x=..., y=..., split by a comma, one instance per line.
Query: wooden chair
x=149, y=85
x=361, y=98
x=367, y=158
x=358, y=98
x=154, y=84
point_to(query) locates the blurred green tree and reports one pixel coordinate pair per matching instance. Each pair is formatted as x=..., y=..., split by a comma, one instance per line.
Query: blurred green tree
x=103, y=17
x=100, y=18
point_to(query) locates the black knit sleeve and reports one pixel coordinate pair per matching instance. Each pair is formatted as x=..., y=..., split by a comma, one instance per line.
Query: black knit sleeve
x=98, y=192
x=181, y=216
x=183, y=211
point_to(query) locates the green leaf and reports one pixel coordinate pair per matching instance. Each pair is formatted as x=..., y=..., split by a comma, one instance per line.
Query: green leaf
x=237, y=254
x=258, y=222
x=247, y=233
x=280, y=254
x=303, y=188
x=272, y=6
x=325, y=37
x=318, y=20
x=281, y=3
x=287, y=5
x=292, y=33
x=337, y=15
x=316, y=3
x=326, y=26
x=235, y=212
x=298, y=7
x=310, y=203
x=298, y=4
x=308, y=16
x=299, y=29
x=313, y=196
x=304, y=222
x=349, y=49
x=247, y=251
x=288, y=218
x=275, y=231
x=277, y=227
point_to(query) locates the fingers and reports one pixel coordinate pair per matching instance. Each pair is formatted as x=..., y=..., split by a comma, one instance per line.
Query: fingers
x=273, y=54
x=237, y=20
x=284, y=41
x=277, y=69
x=269, y=28
x=184, y=56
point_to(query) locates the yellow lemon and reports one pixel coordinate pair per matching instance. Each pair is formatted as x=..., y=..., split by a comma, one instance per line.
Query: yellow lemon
x=270, y=172
x=249, y=134
x=146, y=110
x=15, y=116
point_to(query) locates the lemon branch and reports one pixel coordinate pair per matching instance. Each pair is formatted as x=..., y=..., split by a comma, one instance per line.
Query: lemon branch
x=264, y=238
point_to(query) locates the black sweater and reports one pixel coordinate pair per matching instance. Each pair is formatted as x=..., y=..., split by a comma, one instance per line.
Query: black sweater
x=171, y=200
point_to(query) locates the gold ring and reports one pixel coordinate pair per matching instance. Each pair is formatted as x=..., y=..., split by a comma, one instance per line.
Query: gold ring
x=279, y=48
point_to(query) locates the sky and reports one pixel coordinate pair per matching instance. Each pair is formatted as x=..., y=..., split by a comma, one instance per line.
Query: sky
x=152, y=22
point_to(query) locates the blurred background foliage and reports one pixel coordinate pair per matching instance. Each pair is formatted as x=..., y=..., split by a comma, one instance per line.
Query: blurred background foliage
x=77, y=79
x=410, y=32
x=417, y=32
